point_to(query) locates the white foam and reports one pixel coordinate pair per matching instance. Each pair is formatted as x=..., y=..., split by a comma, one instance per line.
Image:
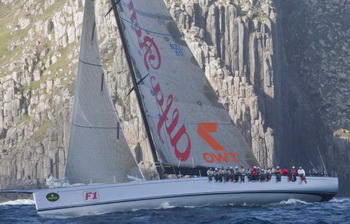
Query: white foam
x=166, y=205
x=339, y=200
x=19, y=202
x=292, y=201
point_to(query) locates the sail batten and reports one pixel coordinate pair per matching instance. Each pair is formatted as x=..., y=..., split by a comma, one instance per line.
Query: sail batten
x=97, y=151
x=91, y=64
x=188, y=125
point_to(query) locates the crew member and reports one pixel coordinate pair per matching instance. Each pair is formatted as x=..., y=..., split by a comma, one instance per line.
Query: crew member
x=301, y=173
x=268, y=174
x=294, y=173
x=236, y=173
x=227, y=174
x=278, y=173
x=249, y=175
x=210, y=174
x=262, y=175
x=253, y=173
x=241, y=174
x=216, y=175
x=222, y=174
x=286, y=173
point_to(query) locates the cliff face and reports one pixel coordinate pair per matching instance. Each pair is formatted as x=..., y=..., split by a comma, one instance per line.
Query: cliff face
x=281, y=69
x=241, y=56
x=318, y=56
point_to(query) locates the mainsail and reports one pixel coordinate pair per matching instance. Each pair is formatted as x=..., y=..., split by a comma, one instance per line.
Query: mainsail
x=97, y=151
x=188, y=125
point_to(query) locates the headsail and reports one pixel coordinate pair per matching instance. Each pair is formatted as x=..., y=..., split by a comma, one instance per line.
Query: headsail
x=98, y=151
x=188, y=124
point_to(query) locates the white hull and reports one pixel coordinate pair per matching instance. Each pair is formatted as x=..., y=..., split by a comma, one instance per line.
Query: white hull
x=100, y=199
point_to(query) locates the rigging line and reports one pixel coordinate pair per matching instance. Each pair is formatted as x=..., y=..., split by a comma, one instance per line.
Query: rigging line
x=312, y=165
x=110, y=10
x=137, y=84
x=324, y=166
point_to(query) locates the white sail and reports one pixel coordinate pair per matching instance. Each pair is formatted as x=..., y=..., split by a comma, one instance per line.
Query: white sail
x=98, y=151
x=188, y=124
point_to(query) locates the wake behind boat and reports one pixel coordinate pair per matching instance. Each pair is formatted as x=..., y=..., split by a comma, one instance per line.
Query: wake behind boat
x=187, y=127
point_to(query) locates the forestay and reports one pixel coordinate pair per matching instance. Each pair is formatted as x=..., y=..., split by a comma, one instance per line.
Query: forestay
x=189, y=126
x=98, y=151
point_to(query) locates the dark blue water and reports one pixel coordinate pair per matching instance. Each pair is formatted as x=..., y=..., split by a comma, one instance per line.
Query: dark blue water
x=292, y=211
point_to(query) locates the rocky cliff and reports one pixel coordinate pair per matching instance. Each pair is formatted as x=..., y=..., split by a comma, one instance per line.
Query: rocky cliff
x=317, y=52
x=280, y=67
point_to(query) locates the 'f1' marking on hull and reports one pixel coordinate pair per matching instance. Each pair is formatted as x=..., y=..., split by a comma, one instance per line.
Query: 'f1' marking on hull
x=91, y=196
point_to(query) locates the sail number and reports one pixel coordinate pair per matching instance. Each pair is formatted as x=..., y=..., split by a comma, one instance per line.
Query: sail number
x=177, y=49
x=219, y=156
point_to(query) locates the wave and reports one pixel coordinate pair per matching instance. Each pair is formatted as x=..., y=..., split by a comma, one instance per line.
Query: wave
x=19, y=202
x=166, y=205
x=339, y=200
x=292, y=201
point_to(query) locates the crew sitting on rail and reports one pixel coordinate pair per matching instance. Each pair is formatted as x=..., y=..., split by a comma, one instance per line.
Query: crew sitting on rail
x=294, y=174
x=257, y=174
x=301, y=173
x=268, y=174
x=248, y=173
x=222, y=174
x=253, y=173
x=262, y=175
x=232, y=176
x=286, y=173
x=278, y=173
x=227, y=174
x=210, y=174
x=242, y=174
x=236, y=174
x=216, y=174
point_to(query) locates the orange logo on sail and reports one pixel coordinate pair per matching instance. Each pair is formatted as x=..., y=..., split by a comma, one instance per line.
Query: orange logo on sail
x=204, y=130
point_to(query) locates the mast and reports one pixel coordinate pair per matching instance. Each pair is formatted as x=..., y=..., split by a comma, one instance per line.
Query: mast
x=135, y=84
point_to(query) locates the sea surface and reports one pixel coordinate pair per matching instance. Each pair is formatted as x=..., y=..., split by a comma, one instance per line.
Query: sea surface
x=292, y=211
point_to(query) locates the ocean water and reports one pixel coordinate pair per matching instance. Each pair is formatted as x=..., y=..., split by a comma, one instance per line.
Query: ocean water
x=292, y=211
